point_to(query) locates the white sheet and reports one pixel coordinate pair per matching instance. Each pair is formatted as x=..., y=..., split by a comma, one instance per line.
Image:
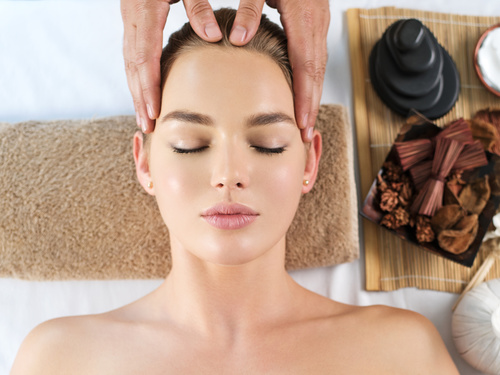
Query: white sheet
x=62, y=59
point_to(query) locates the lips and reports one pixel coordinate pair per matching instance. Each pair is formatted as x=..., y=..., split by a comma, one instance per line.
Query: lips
x=229, y=216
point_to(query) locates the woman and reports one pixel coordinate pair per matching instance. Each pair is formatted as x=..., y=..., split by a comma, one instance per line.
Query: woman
x=227, y=167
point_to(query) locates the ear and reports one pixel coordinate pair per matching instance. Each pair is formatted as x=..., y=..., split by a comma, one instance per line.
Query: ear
x=312, y=162
x=142, y=163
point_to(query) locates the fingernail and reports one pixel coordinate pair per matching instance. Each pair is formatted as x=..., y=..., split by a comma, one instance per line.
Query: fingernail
x=150, y=111
x=304, y=121
x=143, y=125
x=310, y=133
x=238, y=34
x=212, y=30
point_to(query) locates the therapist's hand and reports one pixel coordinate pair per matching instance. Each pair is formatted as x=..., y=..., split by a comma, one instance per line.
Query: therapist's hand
x=305, y=22
x=306, y=25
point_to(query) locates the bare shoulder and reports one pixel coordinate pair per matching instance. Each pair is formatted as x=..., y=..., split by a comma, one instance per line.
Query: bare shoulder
x=51, y=346
x=409, y=340
x=379, y=340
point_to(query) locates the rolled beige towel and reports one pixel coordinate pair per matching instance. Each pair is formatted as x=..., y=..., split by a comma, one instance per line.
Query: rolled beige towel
x=71, y=207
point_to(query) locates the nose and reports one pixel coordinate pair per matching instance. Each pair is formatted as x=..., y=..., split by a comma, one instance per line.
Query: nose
x=230, y=169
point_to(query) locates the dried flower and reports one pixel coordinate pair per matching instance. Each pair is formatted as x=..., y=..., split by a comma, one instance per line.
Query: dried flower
x=388, y=221
x=396, y=186
x=401, y=217
x=388, y=200
x=392, y=171
x=381, y=184
x=395, y=219
x=405, y=194
x=424, y=230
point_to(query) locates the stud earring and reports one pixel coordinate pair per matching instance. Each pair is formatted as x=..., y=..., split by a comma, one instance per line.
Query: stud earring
x=305, y=183
x=150, y=184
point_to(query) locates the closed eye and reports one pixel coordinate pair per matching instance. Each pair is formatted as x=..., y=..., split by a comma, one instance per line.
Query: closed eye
x=188, y=150
x=269, y=151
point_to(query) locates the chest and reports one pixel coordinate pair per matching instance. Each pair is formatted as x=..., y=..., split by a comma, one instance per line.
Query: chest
x=314, y=353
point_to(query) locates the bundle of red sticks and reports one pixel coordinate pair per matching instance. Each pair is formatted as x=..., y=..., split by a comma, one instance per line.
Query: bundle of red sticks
x=437, y=183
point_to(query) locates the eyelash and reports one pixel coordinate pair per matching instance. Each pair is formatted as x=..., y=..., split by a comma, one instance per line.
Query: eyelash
x=189, y=150
x=262, y=150
x=269, y=151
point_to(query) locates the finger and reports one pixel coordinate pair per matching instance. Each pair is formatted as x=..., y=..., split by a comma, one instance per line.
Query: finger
x=151, y=20
x=133, y=81
x=246, y=22
x=132, y=74
x=309, y=113
x=202, y=20
x=129, y=51
x=306, y=25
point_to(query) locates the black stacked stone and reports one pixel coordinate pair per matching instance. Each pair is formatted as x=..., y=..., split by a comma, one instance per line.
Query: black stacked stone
x=409, y=69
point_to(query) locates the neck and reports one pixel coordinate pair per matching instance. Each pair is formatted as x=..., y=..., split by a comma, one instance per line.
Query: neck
x=229, y=300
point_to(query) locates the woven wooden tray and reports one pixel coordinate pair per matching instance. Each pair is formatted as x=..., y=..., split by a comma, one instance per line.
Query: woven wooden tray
x=392, y=263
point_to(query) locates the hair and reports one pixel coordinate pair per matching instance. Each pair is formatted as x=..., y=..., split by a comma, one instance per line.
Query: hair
x=269, y=40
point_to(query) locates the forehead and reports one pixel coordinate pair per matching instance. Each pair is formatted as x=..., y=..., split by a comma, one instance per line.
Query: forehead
x=214, y=79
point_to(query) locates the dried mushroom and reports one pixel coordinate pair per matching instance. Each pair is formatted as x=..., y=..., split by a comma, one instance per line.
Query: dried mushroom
x=491, y=117
x=485, y=132
x=450, y=194
x=475, y=195
x=447, y=217
x=494, y=180
x=458, y=239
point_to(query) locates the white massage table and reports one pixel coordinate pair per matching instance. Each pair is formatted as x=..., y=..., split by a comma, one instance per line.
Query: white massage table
x=63, y=60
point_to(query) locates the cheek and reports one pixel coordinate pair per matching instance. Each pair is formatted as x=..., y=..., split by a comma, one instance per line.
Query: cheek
x=284, y=179
x=173, y=182
x=282, y=184
x=177, y=184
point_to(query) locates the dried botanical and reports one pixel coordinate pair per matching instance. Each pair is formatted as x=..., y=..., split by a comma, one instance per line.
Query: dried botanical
x=401, y=217
x=405, y=194
x=458, y=239
x=424, y=230
x=388, y=200
x=447, y=217
x=392, y=171
x=475, y=195
x=484, y=121
x=484, y=132
x=388, y=221
x=381, y=184
x=424, y=188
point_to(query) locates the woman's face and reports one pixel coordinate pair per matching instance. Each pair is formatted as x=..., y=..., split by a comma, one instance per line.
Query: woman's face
x=226, y=158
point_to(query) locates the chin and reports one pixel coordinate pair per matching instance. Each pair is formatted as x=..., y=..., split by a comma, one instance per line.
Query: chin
x=236, y=254
x=235, y=249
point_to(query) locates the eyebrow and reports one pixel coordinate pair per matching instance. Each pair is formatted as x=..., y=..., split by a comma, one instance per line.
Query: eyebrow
x=188, y=116
x=260, y=119
x=269, y=118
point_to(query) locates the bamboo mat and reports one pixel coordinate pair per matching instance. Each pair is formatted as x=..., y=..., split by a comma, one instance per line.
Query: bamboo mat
x=392, y=263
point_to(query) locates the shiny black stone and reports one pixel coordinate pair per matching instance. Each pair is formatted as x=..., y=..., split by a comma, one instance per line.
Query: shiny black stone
x=410, y=70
